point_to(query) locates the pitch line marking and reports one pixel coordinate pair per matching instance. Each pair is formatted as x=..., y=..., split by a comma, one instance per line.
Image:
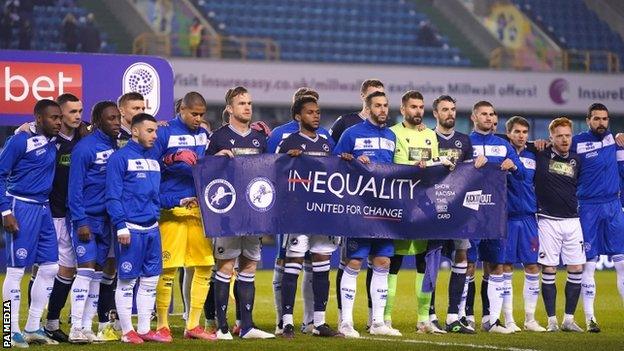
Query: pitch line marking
x=443, y=343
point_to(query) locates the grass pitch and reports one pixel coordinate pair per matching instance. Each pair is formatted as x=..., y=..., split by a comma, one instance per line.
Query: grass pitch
x=609, y=311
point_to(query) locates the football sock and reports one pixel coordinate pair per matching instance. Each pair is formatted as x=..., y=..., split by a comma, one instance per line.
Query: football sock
x=289, y=290
x=495, y=291
x=485, y=301
x=90, y=308
x=209, y=305
x=278, y=272
x=348, y=289
x=508, y=297
x=307, y=292
x=199, y=292
x=618, y=261
x=146, y=297
x=186, y=284
x=423, y=298
x=58, y=298
x=164, y=290
x=107, y=297
x=42, y=286
x=79, y=293
x=457, y=283
x=588, y=289
x=395, y=265
x=320, y=287
x=123, y=300
x=11, y=292
x=530, y=293
x=222, y=296
x=470, y=297
x=572, y=291
x=245, y=299
x=379, y=292
x=549, y=293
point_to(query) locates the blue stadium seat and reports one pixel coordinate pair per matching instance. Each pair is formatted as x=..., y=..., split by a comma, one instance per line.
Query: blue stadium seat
x=366, y=31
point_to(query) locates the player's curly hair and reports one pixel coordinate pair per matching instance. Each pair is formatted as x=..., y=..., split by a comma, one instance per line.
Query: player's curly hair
x=98, y=110
x=297, y=107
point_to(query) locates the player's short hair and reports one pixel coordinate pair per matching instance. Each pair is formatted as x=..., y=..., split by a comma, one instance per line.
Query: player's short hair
x=297, y=106
x=596, y=106
x=511, y=122
x=193, y=98
x=370, y=97
x=177, y=105
x=441, y=98
x=305, y=91
x=65, y=98
x=131, y=96
x=482, y=103
x=142, y=117
x=411, y=94
x=559, y=122
x=234, y=92
x=41, y=105
x=376, y=83
x=98, y=110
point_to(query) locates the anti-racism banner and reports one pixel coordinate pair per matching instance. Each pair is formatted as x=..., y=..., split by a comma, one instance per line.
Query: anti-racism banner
x=269, y=194
x=29, y=76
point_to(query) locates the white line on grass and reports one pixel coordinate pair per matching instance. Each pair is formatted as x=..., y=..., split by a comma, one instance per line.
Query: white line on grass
x=443, y=343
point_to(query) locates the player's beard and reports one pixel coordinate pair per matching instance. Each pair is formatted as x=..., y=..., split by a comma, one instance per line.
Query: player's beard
x=448, y=123
x=599, y=130
x=415, y=120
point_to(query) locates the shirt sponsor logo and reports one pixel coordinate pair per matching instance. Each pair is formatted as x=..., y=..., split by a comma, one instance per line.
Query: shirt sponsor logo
x=561, y=168
x=528, y=163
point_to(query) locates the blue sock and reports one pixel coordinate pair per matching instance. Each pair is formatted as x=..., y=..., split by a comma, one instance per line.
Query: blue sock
x=320, y=287
x=470, y=298
x=106, y=300
x=58, y=296
x=456, y=287
x=246, y=296
x=289, y=290
x=572, y=292
x=484, y=297
x=549, y=293
x=222, y=297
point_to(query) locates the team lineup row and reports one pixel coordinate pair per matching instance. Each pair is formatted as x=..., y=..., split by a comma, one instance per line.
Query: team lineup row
x=102, y=208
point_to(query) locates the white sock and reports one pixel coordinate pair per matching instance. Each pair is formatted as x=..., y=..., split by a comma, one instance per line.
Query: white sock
x=146, y=297
x=40, y=294
x=79, y=295
x=278, y=272
x=462, y=304
x=90, y=308
x=123, y=301
x=495, y=291
x=618, y=261
x=11, y=291
x=308, y=293
x=588, y=289
x=508, y=297
x=531, y=293
x=186, y=287
x=348, y=288
x=379, y=293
